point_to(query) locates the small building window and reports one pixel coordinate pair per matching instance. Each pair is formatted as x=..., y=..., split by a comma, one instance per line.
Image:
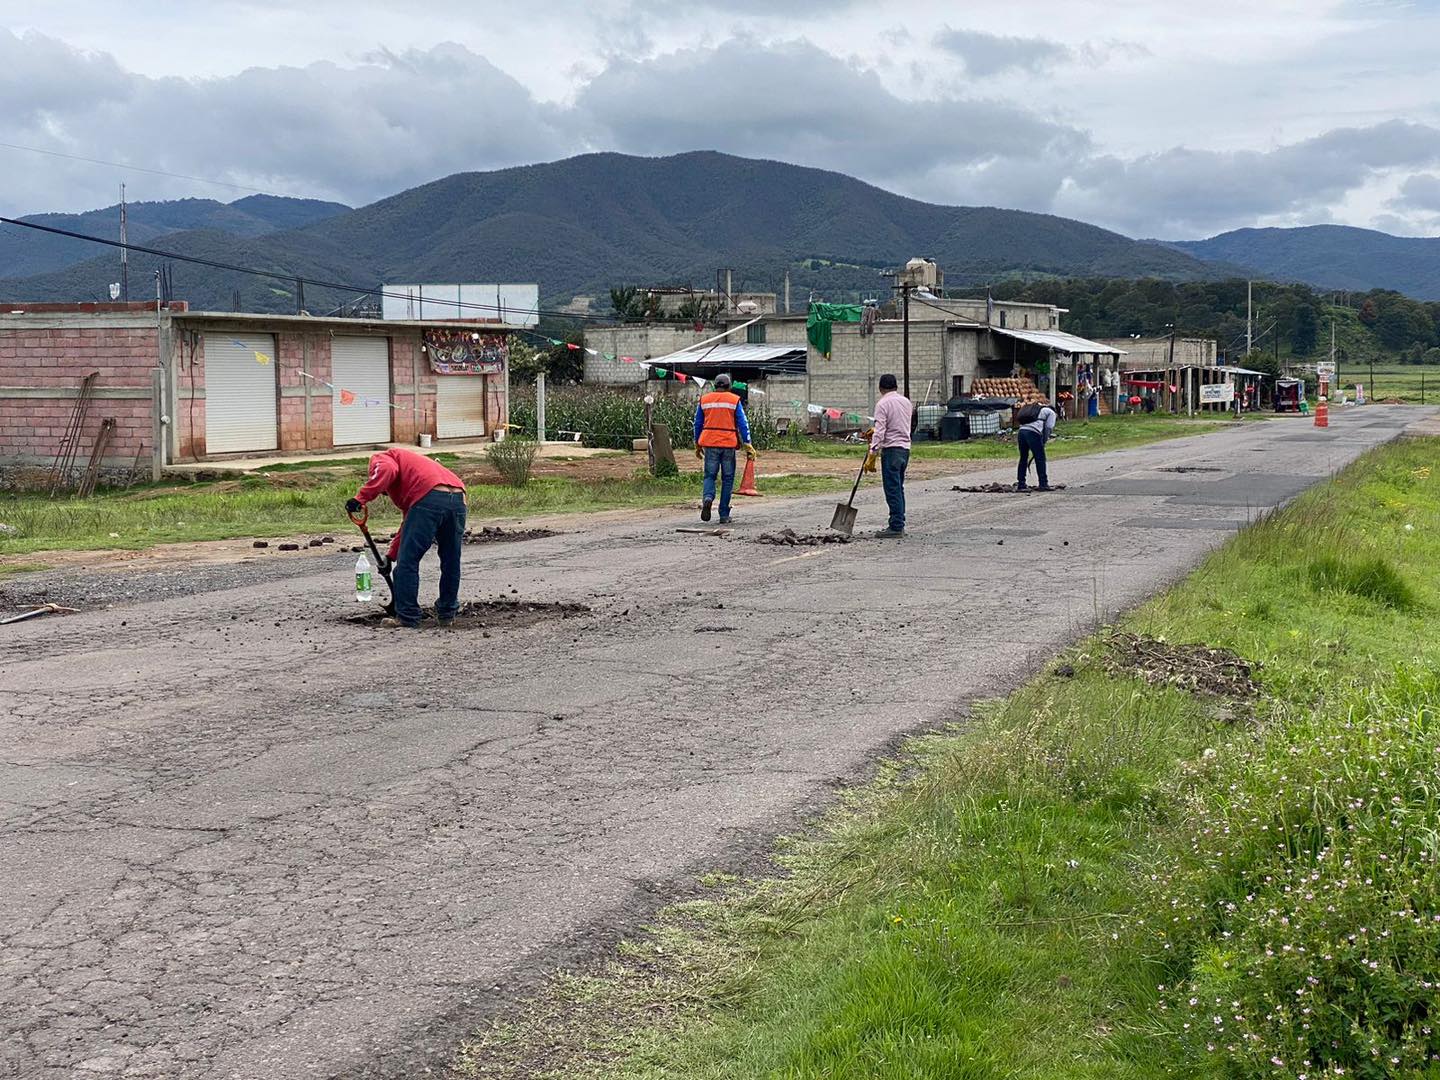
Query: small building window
x=755, y=335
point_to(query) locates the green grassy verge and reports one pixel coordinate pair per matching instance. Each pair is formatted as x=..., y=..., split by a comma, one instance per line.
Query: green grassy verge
x=1072, y=437
x=288, y=503
x=1105, y=875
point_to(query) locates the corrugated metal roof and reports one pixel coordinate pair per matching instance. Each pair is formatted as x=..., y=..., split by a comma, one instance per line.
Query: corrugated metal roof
x=736, y=355
x=1059, y=340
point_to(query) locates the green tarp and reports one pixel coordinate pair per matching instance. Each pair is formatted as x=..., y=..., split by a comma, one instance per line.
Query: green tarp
x=817, y=326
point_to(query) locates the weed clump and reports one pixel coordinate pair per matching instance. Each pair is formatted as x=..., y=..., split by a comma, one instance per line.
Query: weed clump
x=514, y=458
x=1372, y=578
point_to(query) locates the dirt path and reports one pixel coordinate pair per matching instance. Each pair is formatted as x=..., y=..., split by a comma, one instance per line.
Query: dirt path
x=245, y=837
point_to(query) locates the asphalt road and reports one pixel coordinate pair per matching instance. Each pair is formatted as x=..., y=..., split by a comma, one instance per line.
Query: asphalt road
x=243, y=838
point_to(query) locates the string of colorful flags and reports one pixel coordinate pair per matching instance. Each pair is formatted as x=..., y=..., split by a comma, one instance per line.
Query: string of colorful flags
x=831, y=413
x=349, y=397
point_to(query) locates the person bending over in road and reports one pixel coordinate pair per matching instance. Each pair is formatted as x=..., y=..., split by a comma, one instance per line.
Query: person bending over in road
x=890, y=446
x=720, y=430
x=432, y=498
x=1036, y=426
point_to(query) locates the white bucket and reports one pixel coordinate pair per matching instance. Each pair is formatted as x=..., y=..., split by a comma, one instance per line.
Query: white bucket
x=424, y=440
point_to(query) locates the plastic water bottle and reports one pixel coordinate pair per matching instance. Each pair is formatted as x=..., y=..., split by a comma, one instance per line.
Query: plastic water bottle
x=362, y=580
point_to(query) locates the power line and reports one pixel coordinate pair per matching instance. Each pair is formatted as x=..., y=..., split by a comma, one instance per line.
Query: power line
x=274, y=275
x=141, y=168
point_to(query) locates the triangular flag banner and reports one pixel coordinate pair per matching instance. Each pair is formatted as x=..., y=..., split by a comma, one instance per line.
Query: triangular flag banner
x=660, y=373
x=813, y=410
x=261, y=358
x=571, y=345
x=347, y=397
x=629, y=359
x=681, y=376
x=609, y=356
x=555, y=341
x=833, y=414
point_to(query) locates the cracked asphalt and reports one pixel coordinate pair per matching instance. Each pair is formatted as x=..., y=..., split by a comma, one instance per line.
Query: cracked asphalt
x=242, y=838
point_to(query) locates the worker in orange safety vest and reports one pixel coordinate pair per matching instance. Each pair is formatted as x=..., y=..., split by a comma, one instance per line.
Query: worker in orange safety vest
x=720, y=430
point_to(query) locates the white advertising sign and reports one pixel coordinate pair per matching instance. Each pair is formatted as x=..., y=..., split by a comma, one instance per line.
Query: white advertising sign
x=1217, y=393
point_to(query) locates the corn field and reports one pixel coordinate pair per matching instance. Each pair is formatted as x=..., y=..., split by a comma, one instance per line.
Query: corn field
x=612, y=418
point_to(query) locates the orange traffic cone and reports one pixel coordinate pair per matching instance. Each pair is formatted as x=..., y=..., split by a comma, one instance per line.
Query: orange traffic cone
x=1322, y=414
x=747, y=481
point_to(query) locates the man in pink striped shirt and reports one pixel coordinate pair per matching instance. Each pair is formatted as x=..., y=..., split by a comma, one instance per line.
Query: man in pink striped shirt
x=890, y=445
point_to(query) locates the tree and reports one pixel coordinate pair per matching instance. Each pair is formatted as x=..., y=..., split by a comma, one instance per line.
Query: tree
x=1260, y=360
x=1302, y=337
x=1368, y=314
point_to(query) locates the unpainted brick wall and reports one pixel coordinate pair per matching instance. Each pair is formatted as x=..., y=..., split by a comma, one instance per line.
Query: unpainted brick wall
x=57, y=358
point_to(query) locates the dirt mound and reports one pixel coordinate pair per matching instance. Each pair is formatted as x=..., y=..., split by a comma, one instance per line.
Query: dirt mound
x=790, y=538
x=493, y=534
x=1199, y=669
x=1006, y=489
x=489, y=615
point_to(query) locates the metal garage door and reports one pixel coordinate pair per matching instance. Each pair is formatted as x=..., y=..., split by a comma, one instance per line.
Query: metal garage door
x=360, y=365
x=460, y=406
x=239, y=393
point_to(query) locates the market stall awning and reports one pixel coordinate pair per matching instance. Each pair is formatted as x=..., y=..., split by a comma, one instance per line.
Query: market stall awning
x=1240, y=371
x=778, y=358
x=1059, y=341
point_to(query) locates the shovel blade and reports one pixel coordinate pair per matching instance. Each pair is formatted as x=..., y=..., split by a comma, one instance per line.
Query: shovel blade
x=844, y=519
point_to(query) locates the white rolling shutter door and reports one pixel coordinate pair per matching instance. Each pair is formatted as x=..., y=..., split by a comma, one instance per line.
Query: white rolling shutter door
x=362, y=366
x=240, y=393
x=460, y=406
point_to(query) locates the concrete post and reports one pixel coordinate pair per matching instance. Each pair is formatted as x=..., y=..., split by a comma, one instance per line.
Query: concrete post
x=540, y=408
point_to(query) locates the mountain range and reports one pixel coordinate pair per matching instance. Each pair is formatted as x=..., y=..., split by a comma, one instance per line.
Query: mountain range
x=583, y=225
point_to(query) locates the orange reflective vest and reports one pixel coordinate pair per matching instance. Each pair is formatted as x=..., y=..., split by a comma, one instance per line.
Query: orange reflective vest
x=718, y=409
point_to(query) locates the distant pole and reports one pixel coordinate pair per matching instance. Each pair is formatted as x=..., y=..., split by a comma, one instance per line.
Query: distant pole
x=540, y=408
x=787, y=290
x=124, y=250
x=1249, y=316
x=1373, y=395
x=905, y=301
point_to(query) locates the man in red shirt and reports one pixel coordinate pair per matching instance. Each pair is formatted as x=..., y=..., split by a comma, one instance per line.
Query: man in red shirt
x=432, y=498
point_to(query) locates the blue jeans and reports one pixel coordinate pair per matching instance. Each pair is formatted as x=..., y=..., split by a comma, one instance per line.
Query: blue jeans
x=437, y=520
x=719, y=459
x=1032, y=443
x=893, y=462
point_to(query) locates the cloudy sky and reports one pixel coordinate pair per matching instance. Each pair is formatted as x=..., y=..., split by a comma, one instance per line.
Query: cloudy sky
x=1170, y=119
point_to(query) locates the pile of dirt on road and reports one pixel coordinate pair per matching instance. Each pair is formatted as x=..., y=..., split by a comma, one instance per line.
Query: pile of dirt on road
x=1006, y=489
x=493, y=534
x=489, y=615
x=1199, y=669
x=790, y=538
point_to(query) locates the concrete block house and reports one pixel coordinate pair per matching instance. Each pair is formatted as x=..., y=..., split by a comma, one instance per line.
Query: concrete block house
x=186, y=386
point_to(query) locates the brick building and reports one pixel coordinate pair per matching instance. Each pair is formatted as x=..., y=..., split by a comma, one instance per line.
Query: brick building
x=198, y=386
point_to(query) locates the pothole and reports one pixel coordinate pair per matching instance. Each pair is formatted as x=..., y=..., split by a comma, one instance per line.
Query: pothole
x=1189, y=468
x=487, y=615
x=493, y=534
x=1006, y=489
x=790, y=538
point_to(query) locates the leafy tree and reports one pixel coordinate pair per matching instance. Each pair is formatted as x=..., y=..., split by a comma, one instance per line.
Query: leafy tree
x=1368, y=313
x=1302, y=336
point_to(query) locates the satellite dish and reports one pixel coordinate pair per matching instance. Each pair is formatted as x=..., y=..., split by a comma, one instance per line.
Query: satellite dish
x=114, y=290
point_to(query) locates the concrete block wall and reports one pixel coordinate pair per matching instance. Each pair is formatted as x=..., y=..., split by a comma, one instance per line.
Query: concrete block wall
x=849, y=379
x=42, y=361
x=644, y=343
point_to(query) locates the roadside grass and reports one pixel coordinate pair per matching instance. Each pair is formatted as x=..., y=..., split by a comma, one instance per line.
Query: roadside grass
x=1072, y=437
x=288, y=503
x=1105, y=874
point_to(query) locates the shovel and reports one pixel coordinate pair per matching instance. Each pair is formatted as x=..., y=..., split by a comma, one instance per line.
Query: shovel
x=382, y=564
x=844, y=519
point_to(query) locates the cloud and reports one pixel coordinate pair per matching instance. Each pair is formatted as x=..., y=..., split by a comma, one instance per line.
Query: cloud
x=797, y=102
x=1419, y=192
x=1183, y=192
x=991, y=54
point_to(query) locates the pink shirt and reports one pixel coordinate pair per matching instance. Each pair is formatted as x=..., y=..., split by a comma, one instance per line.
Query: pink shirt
x=892, y=421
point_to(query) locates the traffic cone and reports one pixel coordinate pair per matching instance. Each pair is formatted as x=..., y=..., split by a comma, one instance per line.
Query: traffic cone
x=1322, y=414
x=747, y=481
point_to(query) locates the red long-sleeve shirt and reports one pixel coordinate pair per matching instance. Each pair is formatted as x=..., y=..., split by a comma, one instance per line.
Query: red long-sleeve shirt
x=405, y=477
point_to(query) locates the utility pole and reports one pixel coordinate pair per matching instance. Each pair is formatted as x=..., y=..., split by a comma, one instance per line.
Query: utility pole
x=905, y=304
x=1249, y=316
x=787, y=290
x=124, y=251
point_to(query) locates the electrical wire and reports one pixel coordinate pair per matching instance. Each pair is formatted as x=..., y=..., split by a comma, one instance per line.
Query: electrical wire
x=235, y=268
x=142, y=169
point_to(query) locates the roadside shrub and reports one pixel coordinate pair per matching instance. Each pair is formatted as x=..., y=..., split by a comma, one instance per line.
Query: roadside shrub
x=1372, y=578
x=1306, y=916
x=513, y=459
